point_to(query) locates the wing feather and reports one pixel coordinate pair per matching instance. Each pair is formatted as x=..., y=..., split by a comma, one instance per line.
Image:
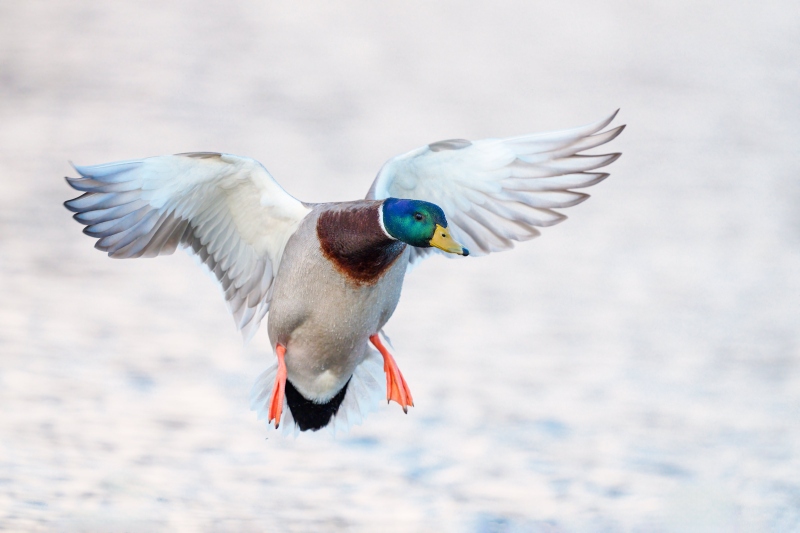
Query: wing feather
x=225, y=210
x=498, y=191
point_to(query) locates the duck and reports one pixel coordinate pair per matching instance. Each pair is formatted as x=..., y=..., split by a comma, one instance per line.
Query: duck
x=329, y=275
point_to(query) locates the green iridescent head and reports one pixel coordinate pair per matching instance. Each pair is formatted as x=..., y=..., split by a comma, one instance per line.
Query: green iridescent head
x=419, y=223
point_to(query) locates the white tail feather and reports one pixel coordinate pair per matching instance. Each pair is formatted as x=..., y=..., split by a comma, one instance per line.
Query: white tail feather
x=364, y=393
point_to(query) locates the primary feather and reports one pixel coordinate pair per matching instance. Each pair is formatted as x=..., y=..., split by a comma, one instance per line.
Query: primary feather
x=226, y=210
x=497, y=191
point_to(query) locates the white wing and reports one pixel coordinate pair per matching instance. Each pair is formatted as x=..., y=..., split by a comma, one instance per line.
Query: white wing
x=225, y=209
x=497, y=191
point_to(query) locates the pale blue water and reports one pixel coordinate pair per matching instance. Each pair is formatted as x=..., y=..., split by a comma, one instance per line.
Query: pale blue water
x=634, y=369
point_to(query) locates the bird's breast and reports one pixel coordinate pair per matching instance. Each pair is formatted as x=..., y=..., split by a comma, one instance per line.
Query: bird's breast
x=325, y=318
x=355, y=244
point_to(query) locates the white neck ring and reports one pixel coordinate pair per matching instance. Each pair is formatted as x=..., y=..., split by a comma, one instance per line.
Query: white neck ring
x=380, y=221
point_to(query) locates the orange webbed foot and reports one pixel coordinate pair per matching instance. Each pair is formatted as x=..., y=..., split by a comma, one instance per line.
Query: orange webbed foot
x=276, y=399
x=396, y=386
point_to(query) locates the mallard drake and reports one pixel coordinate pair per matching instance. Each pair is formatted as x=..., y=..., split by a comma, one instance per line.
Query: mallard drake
x=330, y=274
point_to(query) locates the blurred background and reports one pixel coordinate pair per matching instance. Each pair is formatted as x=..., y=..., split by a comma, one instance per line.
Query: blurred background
x=634, y=369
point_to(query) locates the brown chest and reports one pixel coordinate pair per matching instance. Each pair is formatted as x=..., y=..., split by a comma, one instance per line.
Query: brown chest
x=354, y=242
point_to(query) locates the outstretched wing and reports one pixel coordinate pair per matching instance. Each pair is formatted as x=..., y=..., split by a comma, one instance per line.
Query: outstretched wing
x=497, y=191
x=225, y=209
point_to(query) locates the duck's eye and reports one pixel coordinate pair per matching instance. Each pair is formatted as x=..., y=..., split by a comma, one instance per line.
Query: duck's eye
x=418, y=216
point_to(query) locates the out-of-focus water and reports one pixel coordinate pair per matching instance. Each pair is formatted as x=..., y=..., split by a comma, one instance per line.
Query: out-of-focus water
x=634, y=369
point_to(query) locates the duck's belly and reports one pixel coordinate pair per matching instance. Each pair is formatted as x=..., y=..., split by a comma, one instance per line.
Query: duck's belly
x=324, y=319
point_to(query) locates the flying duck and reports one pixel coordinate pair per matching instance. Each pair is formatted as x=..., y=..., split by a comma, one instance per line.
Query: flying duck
x=330, y=274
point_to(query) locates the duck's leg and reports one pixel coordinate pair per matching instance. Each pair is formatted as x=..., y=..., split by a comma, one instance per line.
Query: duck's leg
x=276, y=399
x=396, y=387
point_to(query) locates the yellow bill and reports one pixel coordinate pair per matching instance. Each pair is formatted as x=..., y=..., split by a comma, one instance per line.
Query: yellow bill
x=443, y=241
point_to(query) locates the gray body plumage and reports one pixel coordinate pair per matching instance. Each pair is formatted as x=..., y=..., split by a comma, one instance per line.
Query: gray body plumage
x=323, y=318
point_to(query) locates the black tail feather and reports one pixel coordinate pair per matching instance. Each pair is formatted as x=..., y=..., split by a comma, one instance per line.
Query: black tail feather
x=309, y=415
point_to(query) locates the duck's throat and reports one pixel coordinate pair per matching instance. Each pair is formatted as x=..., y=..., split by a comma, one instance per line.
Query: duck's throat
x=353, y=240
